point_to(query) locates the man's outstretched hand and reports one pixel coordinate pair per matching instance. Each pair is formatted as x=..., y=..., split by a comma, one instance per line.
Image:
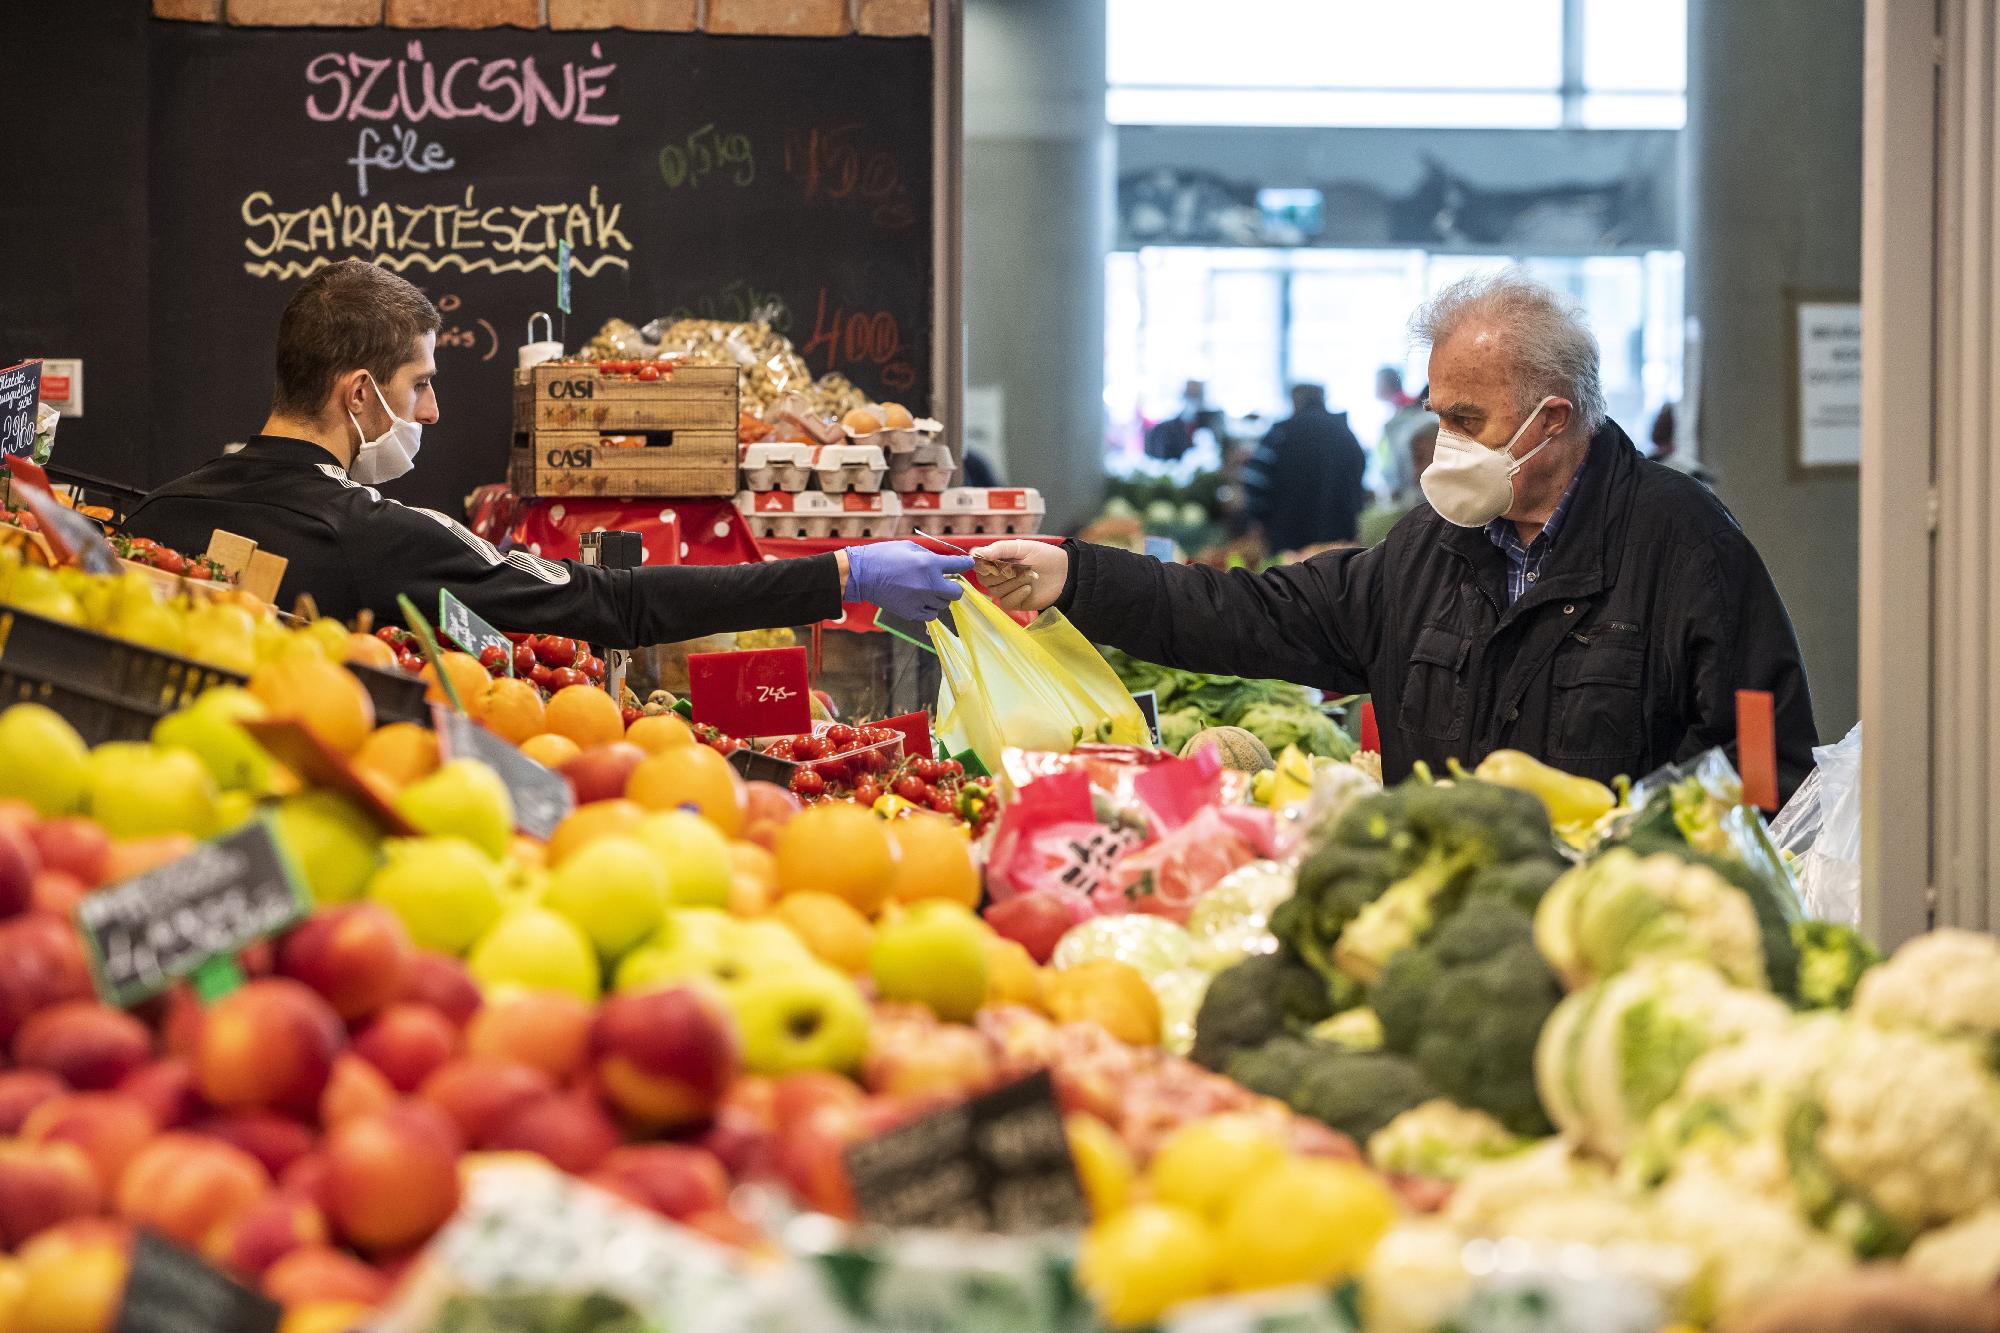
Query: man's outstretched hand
x=1023, y=576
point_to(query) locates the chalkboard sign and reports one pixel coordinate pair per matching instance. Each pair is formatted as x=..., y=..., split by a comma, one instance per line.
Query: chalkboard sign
x=20, y=395
x=459, y=623
x=170, y=1290
x=1149, y=708
x=996, y=1163
x=542, y=797
x=690, y=174
x=146, y=933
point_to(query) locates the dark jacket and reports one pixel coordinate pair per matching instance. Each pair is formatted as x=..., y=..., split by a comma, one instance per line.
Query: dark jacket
x=352, y=549
x=1303, y=485
x=1651, y=611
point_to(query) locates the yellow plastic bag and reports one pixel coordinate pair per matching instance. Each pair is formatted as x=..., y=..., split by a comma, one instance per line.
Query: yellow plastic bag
x=1043, y=688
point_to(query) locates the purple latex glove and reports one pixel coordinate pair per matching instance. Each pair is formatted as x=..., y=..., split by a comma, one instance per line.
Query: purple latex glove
x=904, y=579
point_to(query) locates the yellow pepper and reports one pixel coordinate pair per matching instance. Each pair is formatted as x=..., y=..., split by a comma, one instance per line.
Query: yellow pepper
x=1575, y=804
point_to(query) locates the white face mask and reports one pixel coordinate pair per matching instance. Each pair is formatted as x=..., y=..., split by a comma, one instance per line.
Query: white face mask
x=390, y=454
x=1471, y=485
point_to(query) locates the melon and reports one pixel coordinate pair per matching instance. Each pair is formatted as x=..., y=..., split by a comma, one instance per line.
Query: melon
x=1237, y=748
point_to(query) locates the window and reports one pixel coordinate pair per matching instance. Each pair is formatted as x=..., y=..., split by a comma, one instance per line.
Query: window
x=1421, y=63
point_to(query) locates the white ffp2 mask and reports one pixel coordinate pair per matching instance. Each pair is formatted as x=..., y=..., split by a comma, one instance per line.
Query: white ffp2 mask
x=390, y=454
x=1470, y=485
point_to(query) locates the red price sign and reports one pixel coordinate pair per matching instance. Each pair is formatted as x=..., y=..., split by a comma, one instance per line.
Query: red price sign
x=916, y=729
x=1757, y=748
x=762, y=692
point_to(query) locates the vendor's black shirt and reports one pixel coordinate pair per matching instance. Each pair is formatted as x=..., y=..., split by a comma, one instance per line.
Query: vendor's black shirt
x=352, y=549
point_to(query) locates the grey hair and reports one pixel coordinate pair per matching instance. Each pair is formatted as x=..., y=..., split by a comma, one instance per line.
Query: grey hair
x=1543, y=330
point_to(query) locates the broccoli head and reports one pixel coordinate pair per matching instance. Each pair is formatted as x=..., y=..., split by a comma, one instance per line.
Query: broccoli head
x=1832, y=958
x=1355, y=1092
x=1468, y=1005
x=1266, y=995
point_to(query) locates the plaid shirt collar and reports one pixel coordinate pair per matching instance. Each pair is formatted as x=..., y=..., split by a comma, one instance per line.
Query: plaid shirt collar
x=1524, y=561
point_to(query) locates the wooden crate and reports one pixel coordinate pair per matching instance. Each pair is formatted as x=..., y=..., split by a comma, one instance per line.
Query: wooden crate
x=576, y=397
x=689, y=463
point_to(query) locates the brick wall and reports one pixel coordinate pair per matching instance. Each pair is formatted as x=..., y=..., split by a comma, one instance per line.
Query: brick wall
x=776, y=18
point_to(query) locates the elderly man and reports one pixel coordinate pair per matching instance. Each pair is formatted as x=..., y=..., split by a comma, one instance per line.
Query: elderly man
x=1556, y=594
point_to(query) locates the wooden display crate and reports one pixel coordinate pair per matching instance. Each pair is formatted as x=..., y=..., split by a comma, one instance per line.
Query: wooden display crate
x=576, y=397
x=678, y=463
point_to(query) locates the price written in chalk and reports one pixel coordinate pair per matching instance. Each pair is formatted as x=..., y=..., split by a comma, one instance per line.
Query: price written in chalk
x=708, y=152
x=762, y=692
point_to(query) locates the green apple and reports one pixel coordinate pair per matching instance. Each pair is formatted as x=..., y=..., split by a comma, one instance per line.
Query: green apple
x=935, y=955
x=536, y=949
x=39, y=591
x=692, y=944
x=695, y=854
x=463, y=799
x=444, y=890
x=614, y=889
x=332, y=841
x=234, y=809
x=207, y=729
x=137, y=791
x=802, y=1017
x=42, y=760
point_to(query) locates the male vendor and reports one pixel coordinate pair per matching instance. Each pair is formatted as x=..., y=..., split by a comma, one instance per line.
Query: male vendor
x=1557, y=593
x=354, y=390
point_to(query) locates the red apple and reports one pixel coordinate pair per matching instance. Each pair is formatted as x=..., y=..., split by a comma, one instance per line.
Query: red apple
x=56, y=893
x=355, y=1088
x=19, y=864
x=599, y=773
x=108, y=1126
x=270, y=1044
x=42, y=1184
x=41, y=964
x=744, y=1132
x=569, y=1129
x=274, y=1140
x=479, y=1092
x=392, y=1177
x=264, y=1233
x=21, y=1091
x=73, y=844
x=442, y=983
x=407, y=1042
x=166, y=1088
x=797, y=1098
x=91, y=1046
x=664, y=1058
x=355, y=955
x=1035, y=921
x=767, y=807
x=671, y=1178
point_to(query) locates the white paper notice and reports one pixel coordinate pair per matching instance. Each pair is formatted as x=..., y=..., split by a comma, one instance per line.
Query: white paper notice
x=1829, y=389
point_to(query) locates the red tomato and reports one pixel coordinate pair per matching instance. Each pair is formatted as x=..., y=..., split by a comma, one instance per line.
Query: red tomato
x=524, y=659
x=494, y=658
x=543, y=676
x=649, y=372
x=563, y=677
x=555, y=651
x=173, y=562
x=592, y=667
x=631, y=714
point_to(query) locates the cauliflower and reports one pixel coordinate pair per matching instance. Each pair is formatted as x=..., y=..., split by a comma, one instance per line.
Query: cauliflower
x=1613, y=1052
x=1744, y=1244
x=1946, y=982
x=1603, y=916
x=1488, y=1194
x=1352, y=1030
x=1415, y=1280
x=1904, y=1125
x=1440, y=1140
x=1964, y=1254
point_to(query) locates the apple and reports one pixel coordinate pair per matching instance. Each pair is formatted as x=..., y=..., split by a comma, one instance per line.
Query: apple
x=744, y=1131
x=673, y=1179
x=694, y=853
x=56, y=893
x=166, y=1088
x=21, y=1091
x=185, y=1186
x=463, y=799
x=332, y=841
x=806, y=1016
x=42, y=759
x=86, y=1044
x=443, y=984
x=42, y=1184
x=355, y=955
x=20, y=863
x=355, y=1088
x=407, y=1042
x=1036, y=921
x=108, y=1127
x=74, y=845
x=767, y=808
x=613, y=889
x=568, y=1128
x=934, y=954
x=538, y=949
x=600, y=773
x=274, y=1140
x=665, y=1058
x=392, y=1177
x=269, y=1044
x=207, y=729
x=478, y=1092
x=139, y=790
x=941, y=1060
x=446, y=892
x=545, y=1030
x=41, y=964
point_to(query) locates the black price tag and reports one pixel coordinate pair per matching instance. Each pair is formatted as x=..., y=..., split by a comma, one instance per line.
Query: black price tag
x=150, y=931
x=172, y=1291
x=996, y=1163
x=20, y=395
x=1149, y=708
x=542, y=797
x=460, y=624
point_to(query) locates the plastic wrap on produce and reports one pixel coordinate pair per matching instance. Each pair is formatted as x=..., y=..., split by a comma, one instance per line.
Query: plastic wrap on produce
x=927, y=1282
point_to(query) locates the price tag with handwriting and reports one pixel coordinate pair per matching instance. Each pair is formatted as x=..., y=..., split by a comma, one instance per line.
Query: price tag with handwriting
x=150, y=931
x=171, y=1290
x=20, y=395
x=995, y=1163
x=459, y=623
x=761, y=692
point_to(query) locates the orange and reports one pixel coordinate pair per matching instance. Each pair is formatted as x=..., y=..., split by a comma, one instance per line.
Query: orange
x=77, y=1291
x=328, y=699
x=691, y=775
x=663, y=731
x=841, y=848
x=586, y=715
x=934, y=861
x=402, y=752
x=550, y=750
x=512, y=709
x=466, y=676
x=830, y=927
x=1112, y=995
x=587, y=823
x=370, y=651
x=326, y=1317
x=1011, y=974
x=753, y=879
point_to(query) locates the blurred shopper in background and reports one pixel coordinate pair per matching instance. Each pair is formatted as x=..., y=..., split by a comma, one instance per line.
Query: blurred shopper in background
x=1173, y=437
x=1394, y=480
x=1303, y=485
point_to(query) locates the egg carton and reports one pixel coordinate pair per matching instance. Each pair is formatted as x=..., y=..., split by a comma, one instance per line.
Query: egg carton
x=990, y=511
x=925, y=468
x=849, y=467
x=850, y=514
x=901, y=439
x=776, y=467
x=922, y=510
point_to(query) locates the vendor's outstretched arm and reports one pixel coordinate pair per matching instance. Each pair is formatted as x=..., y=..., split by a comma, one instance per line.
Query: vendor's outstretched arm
x=1311, y=622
